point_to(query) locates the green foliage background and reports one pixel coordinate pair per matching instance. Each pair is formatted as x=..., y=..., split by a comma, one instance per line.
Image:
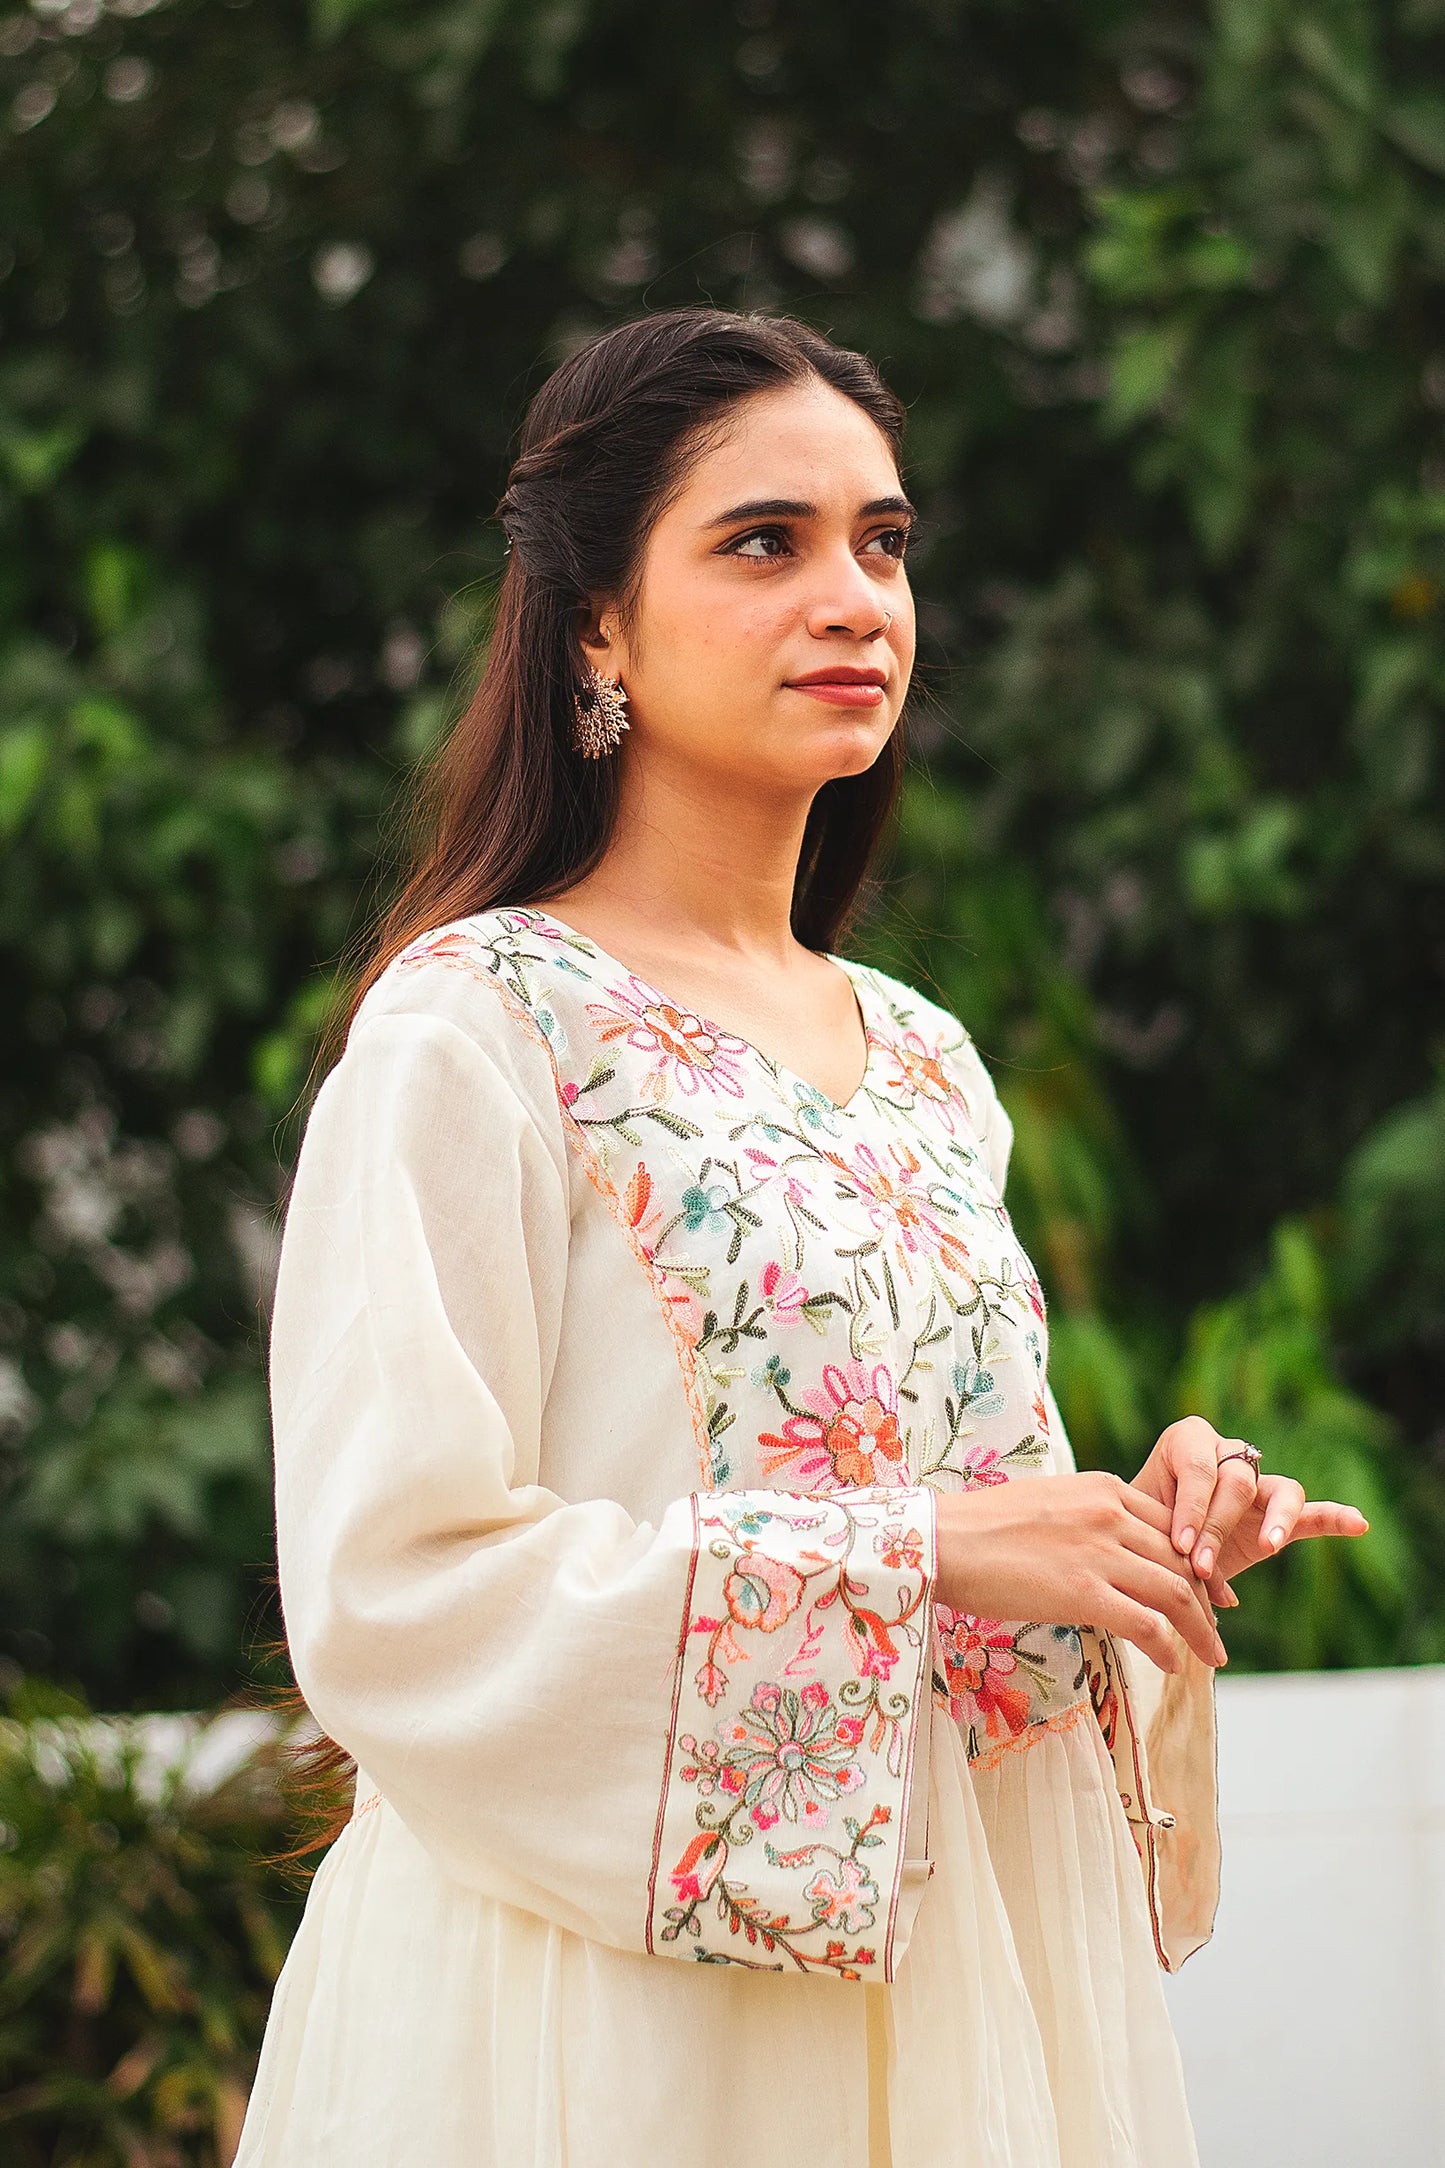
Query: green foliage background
x=1161, y=286
x=144, y=1921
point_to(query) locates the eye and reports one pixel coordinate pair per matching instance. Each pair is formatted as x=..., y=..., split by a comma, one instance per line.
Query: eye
x=894, y=540
x=757, y=534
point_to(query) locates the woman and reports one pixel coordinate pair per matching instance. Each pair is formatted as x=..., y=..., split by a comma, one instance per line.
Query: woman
x=756, y=1759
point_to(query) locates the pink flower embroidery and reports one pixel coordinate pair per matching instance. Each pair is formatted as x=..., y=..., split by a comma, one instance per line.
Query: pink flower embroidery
x=901, y=1547
x=916, y=1071
x=789, y=1754
x=684, y=1049
x=783, y=1291
x=982, y=1464
x=701, y=1864
x=898, y=1203
x=978, y=1662
x=762, y=1591
x=846, y=1899
x=849, y=1433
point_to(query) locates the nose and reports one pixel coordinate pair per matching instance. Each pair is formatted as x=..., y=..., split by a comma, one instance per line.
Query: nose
x=847, y=600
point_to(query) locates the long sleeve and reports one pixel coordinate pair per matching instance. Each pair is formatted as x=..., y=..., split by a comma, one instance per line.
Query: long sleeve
x=700, y=1738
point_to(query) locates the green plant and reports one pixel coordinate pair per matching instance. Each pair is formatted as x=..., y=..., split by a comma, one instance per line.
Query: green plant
x=140, y=1934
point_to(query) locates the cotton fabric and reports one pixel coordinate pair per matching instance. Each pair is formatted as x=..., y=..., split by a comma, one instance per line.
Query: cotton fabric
x=615, y=1370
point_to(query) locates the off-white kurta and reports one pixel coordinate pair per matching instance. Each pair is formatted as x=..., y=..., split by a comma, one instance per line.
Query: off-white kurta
x=615, y=1370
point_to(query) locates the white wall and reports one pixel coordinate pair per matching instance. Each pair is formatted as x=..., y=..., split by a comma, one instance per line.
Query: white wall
x=1313, y=2025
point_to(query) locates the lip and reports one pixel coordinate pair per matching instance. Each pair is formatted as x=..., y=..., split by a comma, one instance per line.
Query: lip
x=841, y=673
x=842, y=686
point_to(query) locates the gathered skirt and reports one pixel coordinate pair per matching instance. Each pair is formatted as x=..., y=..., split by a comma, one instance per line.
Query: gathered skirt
x=418, y=2022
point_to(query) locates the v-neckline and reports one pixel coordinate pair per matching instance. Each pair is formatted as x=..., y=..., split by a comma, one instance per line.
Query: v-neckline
x=853, y=972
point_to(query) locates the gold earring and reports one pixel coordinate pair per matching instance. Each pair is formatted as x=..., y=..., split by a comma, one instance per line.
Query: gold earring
x=601, y=722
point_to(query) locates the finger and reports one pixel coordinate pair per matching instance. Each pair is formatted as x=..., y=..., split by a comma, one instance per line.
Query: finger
x=1281, y=1501
x=1149, y=1533
x=1235, y=1487
x=1145, y=1507
x=1196, y=1463
x=1152, y=1540
x=1147, y=1510
x=1323, y=1517
x=1145, y=1627
x=1178, y=1598
x=1135, y=1622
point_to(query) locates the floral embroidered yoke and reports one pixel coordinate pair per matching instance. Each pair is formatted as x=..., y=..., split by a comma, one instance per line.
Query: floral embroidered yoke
x=615, y=1372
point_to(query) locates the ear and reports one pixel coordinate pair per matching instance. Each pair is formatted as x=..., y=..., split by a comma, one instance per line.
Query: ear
x=597, y=635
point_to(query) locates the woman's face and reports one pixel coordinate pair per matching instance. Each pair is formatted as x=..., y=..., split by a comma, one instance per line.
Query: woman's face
x=738, y=605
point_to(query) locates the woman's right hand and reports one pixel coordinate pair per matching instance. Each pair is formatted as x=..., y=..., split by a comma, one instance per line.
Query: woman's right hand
x=1072, y=1550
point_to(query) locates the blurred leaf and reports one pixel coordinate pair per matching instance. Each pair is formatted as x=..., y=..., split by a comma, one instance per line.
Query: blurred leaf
x=1416, y=122
x=34, y=459
x=1144, y=365
x=331, y=17
x=25, y=751
x=1338, y=53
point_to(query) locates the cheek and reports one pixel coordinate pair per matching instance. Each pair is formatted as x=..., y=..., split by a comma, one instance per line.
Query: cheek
x=719, y=627
x=754, y=639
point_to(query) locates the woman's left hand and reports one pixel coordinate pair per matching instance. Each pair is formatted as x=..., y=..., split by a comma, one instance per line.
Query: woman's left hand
x=1224, y=1515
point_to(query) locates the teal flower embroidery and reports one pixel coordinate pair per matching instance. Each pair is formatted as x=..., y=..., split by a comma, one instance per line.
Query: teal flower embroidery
x=815, y=1110
x=553, y=1030
x=751, y=1522
x=977, y=1389
x=704, y=1209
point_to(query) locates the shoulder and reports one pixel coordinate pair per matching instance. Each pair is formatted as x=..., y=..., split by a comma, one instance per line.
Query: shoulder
x=467, y=980
x=930, y=1031
x=929, y=1028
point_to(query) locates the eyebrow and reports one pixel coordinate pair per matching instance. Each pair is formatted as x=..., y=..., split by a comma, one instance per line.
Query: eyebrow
x=799, y=508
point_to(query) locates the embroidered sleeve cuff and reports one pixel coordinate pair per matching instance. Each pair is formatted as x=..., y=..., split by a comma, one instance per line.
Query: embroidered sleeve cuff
x=789, y=1834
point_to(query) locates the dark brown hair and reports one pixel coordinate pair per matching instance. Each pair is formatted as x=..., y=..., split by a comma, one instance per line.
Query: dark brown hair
x=506, y=811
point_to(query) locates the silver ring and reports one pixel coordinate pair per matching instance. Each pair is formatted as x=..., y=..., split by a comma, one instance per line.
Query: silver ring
x=1251, y=1453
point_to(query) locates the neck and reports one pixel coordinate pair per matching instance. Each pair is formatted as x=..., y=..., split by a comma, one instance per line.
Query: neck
x=715, y=869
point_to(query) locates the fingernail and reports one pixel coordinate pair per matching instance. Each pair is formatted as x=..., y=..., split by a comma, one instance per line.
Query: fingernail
x=1230, y=1600
x=1185, y=1539
x=1223, y=1652
x=1206, y=1561
x=1274, y=1538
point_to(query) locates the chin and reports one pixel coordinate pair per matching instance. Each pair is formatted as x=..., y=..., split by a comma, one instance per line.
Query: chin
x=800, y=762
x=850, y=747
